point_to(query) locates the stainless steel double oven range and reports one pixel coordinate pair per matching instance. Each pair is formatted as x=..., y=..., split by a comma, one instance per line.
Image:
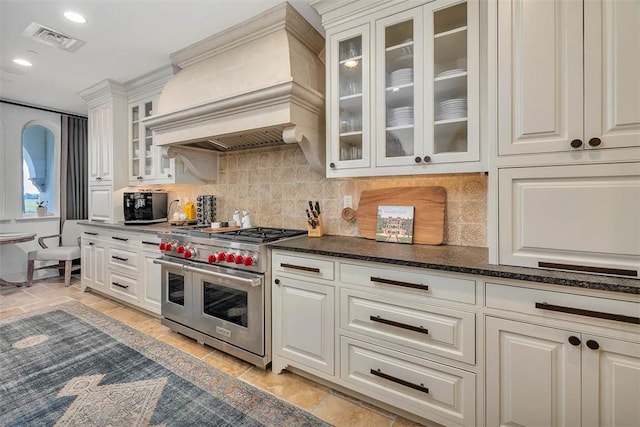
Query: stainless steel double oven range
x=216, y=288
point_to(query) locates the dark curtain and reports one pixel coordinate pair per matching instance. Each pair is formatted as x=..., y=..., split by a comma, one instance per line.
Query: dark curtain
x=74, y=169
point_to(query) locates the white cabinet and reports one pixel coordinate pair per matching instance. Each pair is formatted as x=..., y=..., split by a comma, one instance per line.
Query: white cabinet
x=120, y=265
x=563, y=362
x=532, y=375
x=404, y=90
x=303, y=322
x=107, y=140
x=581, y=217
x=100, y=202
x=568, y=77
x=93, y=261
x=401, y=336
x=146, y=163
x=100, y=154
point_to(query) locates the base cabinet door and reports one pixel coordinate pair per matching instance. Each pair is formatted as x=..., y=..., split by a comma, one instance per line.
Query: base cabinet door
x=151, y=290
x=303, y=318
x=533, y=375
x=93, y=264
x=611, y=382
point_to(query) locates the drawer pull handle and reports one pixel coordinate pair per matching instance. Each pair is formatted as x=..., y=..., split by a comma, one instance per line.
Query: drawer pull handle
x=397, y=283
x=588, y=313
x=589, y=269
x=122, y=239
x=379, y=319
x=300, y=267
x=149, y=243
x=120, y=258
x=90, y=233
x=119, y=285
x=419, y=387
x=90, y=243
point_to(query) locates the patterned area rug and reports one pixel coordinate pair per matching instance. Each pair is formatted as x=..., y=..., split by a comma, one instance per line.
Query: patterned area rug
x=74, y=366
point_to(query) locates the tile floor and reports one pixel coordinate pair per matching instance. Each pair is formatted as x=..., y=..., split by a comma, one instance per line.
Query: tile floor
x=327, y=404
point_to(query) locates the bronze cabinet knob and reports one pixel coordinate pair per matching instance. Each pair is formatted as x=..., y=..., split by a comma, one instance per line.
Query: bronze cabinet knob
x=595, y=142
x=576, y=143
x=573, y=340
x=418, y=159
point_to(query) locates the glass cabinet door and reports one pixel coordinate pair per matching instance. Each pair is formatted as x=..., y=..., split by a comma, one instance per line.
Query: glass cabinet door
x=399, y=71
x=451, y=120
x=349, y=98
x=134, y=155
x=148, y=142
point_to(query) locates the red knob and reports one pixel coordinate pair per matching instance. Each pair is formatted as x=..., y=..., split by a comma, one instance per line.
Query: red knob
x=248, y=261
x=168, y=247
x=163, y=246
x=221, y=256
x=187, y=254
x=239, y=259
x=211, y=259
x=180, y=249
x=230, y=257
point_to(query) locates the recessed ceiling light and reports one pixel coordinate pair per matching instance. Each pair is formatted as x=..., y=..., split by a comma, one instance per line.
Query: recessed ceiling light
x=75, y=17
x=22, y=62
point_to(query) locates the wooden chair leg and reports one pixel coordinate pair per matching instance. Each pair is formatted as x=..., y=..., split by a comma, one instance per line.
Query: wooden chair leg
x=30, y=268
x=67, y=272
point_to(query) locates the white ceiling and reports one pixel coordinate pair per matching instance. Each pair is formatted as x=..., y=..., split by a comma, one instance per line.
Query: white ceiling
x=124, y=39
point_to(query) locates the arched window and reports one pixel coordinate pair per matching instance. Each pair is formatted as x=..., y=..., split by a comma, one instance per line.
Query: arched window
x=38, y=168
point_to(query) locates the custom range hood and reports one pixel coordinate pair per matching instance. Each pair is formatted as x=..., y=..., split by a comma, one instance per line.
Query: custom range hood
x=257, y=84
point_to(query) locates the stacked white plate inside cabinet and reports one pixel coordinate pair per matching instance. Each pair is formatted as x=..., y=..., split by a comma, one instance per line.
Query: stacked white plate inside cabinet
x=451, y=72
x=402, y=76
x=451, y=109
x=401, y=116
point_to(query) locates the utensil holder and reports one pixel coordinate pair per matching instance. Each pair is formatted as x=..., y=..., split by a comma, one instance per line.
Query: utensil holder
x=318, y=231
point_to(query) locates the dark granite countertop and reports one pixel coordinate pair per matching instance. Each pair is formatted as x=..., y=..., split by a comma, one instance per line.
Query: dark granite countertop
x=460, y=259
x=162, y=227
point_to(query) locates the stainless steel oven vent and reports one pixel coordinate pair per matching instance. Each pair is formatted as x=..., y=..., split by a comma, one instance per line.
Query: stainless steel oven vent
x=245, y=140
x=52, y=37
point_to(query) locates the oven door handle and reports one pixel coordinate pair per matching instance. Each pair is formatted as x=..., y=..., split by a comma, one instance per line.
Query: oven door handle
x=251, y=282
x=168, y=263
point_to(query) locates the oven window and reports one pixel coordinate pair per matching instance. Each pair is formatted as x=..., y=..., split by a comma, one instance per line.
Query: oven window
x=176, y=289
x=225, y=303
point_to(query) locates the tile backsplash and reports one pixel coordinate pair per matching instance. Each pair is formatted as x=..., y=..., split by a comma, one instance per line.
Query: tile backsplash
x=274, y=185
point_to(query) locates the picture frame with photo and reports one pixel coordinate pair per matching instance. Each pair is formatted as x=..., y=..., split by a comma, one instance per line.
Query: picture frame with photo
x=395, y=224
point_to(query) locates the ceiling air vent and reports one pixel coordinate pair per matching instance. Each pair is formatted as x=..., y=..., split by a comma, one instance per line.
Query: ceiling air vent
x=52, y=37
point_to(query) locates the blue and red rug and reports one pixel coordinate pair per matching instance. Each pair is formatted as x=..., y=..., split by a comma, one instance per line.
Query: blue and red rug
x=74, y=366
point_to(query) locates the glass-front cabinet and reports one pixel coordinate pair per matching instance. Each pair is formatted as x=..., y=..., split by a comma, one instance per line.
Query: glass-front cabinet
x=146, y=165
x=349, y=116
x=142, y=153
x=420, y=111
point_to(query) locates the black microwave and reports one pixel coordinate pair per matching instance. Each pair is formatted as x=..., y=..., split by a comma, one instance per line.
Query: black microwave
x=145, y=207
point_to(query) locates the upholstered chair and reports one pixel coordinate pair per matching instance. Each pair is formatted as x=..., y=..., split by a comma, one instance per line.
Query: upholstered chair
x=65, y=254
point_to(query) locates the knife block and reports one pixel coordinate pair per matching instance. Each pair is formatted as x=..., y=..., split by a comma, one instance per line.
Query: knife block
x=318, y=231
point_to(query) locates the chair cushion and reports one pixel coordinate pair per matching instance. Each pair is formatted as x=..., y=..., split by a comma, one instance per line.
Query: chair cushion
x=61, y=253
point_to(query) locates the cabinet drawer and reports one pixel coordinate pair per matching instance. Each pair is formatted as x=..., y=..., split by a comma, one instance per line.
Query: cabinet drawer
x=123, y=260
x=123, y=286
x=442, y=331
x=431, y=390
x=304, y=266
x=413, y=283
x=579, y=308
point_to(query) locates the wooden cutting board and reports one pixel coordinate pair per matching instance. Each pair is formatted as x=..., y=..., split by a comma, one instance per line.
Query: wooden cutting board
x=428, y=219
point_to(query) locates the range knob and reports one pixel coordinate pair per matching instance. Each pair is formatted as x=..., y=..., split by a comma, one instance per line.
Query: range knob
x=230, y=257
x=180, y=249
x=239, y=259
x=212, y=258
x=248, y=261
x=168, y=247
x=188, y=253
x=162, y=246
x=221, y=256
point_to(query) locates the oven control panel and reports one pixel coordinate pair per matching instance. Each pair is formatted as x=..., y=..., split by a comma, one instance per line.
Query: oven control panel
x=232, y=257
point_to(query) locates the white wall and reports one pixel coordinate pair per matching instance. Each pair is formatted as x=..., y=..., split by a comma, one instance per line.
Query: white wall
x=13, y=120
